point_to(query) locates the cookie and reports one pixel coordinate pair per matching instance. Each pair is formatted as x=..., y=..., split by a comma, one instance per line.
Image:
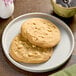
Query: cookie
x=41, y=32
x=24, y=26
x=21, y=50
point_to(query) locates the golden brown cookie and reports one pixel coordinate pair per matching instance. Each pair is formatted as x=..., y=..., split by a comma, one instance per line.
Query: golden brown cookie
x=41, y=32
x=23, y=51
x=24, y=26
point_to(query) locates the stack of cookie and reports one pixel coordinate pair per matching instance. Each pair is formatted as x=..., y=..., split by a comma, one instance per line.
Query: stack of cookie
x=35, y=42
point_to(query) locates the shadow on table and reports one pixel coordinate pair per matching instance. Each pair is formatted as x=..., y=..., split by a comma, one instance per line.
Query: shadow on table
x=68, y=21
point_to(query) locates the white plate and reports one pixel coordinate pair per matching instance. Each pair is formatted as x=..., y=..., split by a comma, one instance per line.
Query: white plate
x=61, y=52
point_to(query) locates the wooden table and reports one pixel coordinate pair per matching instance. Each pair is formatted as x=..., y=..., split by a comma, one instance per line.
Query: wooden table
x=26, y=6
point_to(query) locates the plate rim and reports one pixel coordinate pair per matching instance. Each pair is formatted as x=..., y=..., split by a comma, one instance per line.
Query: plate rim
x=41, y=70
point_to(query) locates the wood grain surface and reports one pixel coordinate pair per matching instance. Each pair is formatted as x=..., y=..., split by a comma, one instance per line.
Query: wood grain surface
x=23, y=7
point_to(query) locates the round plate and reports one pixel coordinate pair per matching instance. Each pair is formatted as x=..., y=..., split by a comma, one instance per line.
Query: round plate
x=62, y=51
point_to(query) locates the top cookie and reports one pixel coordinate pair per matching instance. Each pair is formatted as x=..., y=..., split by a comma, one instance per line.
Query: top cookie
x=41, y=32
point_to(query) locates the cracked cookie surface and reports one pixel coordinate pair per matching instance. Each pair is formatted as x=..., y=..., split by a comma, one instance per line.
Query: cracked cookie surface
x=41, y=32
x=22, y=50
